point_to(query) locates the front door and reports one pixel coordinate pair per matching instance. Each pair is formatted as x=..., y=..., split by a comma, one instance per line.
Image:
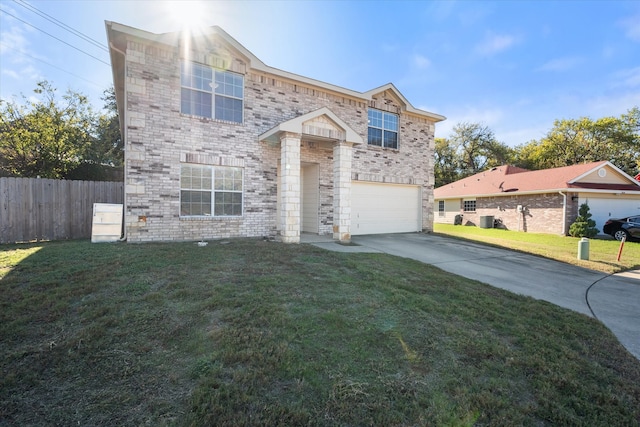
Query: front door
x=310, y=188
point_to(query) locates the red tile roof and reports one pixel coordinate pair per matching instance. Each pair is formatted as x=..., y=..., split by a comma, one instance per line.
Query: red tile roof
x=510, y=179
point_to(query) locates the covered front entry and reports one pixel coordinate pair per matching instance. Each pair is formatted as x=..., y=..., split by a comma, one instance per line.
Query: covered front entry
x=385, y=208
x=297, y=205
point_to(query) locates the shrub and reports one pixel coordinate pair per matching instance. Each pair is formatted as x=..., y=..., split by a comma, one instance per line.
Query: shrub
x=583, y=226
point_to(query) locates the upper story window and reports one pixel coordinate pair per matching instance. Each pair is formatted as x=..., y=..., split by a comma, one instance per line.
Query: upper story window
x=207, y=92
x=383, y=129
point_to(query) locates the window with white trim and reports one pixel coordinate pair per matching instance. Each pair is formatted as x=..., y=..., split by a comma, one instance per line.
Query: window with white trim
x=440, y=207
x=383, y=129
x=207, y=92
x=210, y=190
x=469, y=206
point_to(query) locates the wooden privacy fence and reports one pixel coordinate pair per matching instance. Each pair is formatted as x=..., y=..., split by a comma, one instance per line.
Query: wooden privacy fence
x=33, y=209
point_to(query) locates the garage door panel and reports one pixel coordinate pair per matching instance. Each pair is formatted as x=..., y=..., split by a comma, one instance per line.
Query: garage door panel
x=385, y=208
x=603, y=209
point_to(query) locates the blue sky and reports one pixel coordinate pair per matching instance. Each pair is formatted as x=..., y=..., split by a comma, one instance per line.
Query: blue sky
x=514, y=66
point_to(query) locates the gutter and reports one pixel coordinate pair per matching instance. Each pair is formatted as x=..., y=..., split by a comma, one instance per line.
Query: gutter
x=564, y=213
x=123, y=135
x=534, y=192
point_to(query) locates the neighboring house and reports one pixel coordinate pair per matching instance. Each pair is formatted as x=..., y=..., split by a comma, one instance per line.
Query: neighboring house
x=543, y=201
x=218, y=144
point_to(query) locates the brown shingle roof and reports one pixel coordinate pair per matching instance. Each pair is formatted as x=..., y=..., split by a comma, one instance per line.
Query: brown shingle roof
x=510, y=179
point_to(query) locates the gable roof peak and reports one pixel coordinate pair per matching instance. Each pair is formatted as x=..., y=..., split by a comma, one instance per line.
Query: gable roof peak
x=511, y=179
x=118, y=34
x=401, y=98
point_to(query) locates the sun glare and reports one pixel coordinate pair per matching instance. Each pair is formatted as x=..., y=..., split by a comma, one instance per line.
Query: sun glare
x=189, y=15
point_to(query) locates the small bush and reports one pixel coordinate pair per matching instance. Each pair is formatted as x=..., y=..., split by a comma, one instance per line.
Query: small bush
x=583, y=226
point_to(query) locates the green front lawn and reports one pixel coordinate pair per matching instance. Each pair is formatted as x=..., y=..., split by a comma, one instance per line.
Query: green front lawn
x=247, y=332
x=603, y=253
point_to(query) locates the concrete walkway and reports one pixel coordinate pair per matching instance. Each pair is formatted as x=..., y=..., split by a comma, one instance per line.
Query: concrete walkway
x=612, y=299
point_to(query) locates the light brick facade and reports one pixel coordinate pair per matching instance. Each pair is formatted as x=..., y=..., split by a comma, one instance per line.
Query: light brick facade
x=541, y=213
x=538, y=201
x=159, y=139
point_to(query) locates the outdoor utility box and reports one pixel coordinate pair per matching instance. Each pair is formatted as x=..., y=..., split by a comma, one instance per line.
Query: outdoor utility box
x=107, y=222
x=486, y=221
x=583, y=249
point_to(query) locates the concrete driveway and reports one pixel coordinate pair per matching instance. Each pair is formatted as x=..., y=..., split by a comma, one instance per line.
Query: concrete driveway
x=612, y=299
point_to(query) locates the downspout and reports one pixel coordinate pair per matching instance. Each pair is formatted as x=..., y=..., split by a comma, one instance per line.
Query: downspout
x=564, y=213
x=123, y=131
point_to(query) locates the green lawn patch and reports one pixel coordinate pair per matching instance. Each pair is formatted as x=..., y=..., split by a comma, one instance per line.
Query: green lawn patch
x=260, y=333
x=603, y=252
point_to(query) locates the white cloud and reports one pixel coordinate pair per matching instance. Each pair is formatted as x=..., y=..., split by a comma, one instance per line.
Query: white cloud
x=11, y=73
x=16, y=55
x=608, y=51
x=489, y=117
x=388, y=47
x=495, y=43
x=440, y=10
x=627, y=78
x=511, y=125
x=12, y=40
x=560, y=64
x=612, y=105
x=421, y=62
x=631, y=26
x=513, y=137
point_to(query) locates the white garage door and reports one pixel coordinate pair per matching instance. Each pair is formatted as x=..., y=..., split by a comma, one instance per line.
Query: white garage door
x=385, y=208
x=604, y=209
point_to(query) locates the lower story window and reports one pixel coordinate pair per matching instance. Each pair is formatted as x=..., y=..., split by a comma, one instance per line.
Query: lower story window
x=440, y=207
x=469, y=206
x=210, y=190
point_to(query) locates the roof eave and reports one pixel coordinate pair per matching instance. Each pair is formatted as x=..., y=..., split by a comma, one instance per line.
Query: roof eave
x=408, y=106
x=173, y=39
x=527, y=193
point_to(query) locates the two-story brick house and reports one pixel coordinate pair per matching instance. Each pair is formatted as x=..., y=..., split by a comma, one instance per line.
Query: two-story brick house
x=218, y=144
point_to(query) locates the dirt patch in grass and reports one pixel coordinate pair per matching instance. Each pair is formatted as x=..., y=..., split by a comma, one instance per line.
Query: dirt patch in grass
x=260, y=333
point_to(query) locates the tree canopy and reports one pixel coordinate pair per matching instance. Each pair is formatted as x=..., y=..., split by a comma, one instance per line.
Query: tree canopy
x=573, y=141
x=473, y=147
x=59, y=137
x=63, y=137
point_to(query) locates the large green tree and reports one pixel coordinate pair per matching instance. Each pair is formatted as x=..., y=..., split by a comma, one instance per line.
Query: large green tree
x=446, y=162
x=471, y=148
x=47, y=136
x=58, y=137
x=573, y=141
x=104, y=157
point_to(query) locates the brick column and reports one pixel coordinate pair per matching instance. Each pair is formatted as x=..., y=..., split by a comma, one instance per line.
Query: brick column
x=290, y=187
x=342, y=155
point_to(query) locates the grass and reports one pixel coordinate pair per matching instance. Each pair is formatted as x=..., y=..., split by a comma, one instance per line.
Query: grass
x=248, y=332
x=603, y=253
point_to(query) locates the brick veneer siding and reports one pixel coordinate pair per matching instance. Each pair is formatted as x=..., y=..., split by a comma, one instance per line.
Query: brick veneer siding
x=542, y=212
x=159, y=138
